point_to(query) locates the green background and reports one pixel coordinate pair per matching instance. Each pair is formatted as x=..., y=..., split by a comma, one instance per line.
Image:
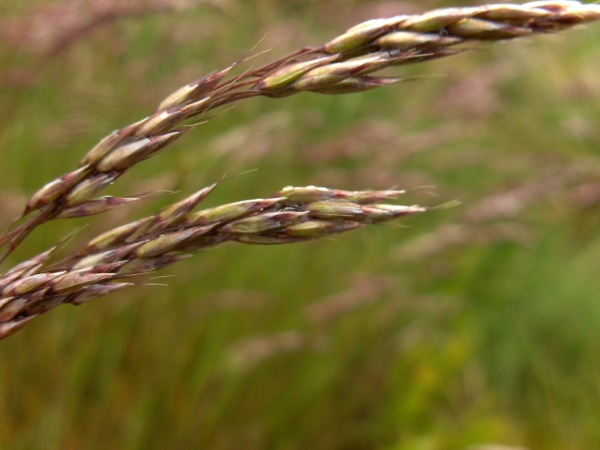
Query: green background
x=466, y=325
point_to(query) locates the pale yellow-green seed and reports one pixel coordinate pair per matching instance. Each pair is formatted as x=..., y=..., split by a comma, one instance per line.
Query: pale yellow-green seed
x=178, y=97
x=305, y=194
x=409, y=39
x=101, y=149
x=582, y=13
x=75, y=280
x=127, y=155
x=437, y=19
x=510, y=12
x=262, y=222
x=173, y=213
x=361, y=35
x=107, y=256
x=22, y=286
x=284, y=76
x=339, y=209
x=89, y=187
x=332, y=74
x=117, y=235
x=168, y=242
x=231, y=211
x=51, y=191
x=484, y=29
x=14, y=307
x=316, y=229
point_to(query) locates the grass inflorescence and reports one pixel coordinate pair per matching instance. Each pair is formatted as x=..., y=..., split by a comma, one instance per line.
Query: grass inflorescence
x=347, y=63
x=446, y=330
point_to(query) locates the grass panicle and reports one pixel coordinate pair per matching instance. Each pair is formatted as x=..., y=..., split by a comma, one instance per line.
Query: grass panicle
x=348, y=63
x=175, y=233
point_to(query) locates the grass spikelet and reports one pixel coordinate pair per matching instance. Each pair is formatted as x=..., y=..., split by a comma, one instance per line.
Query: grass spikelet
x=53, y=190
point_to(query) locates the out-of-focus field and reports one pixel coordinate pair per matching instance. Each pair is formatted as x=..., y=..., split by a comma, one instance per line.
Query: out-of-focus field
x=467, y=325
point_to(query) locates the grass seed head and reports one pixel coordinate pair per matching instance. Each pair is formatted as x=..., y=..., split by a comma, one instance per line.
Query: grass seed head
x=344, y=64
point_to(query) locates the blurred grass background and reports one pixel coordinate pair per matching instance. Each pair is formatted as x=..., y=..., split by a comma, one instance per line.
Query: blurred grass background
x=469, y=325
